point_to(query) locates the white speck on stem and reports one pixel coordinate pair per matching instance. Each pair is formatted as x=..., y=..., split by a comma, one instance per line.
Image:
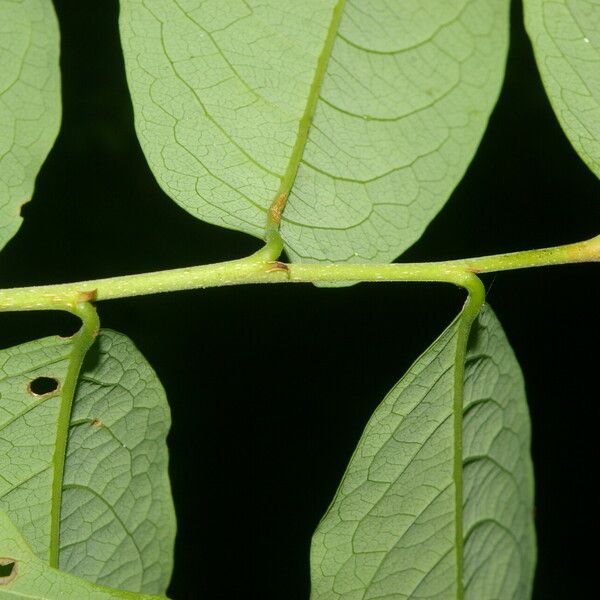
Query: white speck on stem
x=586, y=40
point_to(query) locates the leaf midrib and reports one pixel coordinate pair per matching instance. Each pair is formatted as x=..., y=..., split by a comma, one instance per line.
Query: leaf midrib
x=82, y=341
x=287, y=180
x=466, y=318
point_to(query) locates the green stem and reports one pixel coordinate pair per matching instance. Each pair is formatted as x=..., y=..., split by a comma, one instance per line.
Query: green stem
x=261, y=267
x=586, y=251
x=82, y=341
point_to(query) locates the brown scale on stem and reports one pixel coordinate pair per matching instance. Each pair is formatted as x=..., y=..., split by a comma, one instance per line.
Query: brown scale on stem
x=277, y=208
x=88, y=296
x=277, y=265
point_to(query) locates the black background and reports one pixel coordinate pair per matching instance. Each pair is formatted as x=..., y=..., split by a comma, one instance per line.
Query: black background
x=271, y=386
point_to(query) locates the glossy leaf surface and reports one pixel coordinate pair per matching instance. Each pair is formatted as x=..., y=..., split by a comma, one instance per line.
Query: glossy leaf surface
x=391, y=531
x=116, y=515
x=29, y=102
x=566, y=39
x=367, y=113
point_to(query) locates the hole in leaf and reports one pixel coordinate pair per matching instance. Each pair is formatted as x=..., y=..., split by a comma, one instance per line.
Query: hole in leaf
x=8, y=570
x=41, y=386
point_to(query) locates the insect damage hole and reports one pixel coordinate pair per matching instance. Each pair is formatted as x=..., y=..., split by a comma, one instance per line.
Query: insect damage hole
x=8, y=570
x=41, y=386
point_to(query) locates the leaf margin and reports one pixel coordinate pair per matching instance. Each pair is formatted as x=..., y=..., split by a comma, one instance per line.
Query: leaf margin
x=33, y=152
x=571, y=118
x=364, y=456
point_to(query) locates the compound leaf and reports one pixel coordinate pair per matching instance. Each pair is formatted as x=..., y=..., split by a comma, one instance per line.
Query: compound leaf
x=100, y=505
x=31, y=578
x=397, y=528
x=366, y=112
x=566, y=40
x=29, y=102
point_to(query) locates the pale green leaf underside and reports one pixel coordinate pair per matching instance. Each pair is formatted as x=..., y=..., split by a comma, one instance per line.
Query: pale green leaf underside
x=29, y=102
x=117, y=522
x=219, y=92
x=390, y=531
x=35, y=580
x=566, y=40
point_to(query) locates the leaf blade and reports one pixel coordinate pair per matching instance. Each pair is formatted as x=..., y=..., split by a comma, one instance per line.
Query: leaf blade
x=115, y=513
x=121, y=412
x=496, y=447
x=390, y=530
x=378, y=162
x=566, y=42
x=27, y=451
x=30, y=106
x=34, y=579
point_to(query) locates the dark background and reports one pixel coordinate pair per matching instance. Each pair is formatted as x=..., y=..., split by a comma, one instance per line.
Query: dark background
x=271, y=386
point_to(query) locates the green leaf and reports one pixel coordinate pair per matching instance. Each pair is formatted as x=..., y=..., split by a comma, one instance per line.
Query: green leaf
x=566, y=41
x=98, y=506
x=367, y=113
x=31, y=577
x=398, y=527
x=29, y=102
